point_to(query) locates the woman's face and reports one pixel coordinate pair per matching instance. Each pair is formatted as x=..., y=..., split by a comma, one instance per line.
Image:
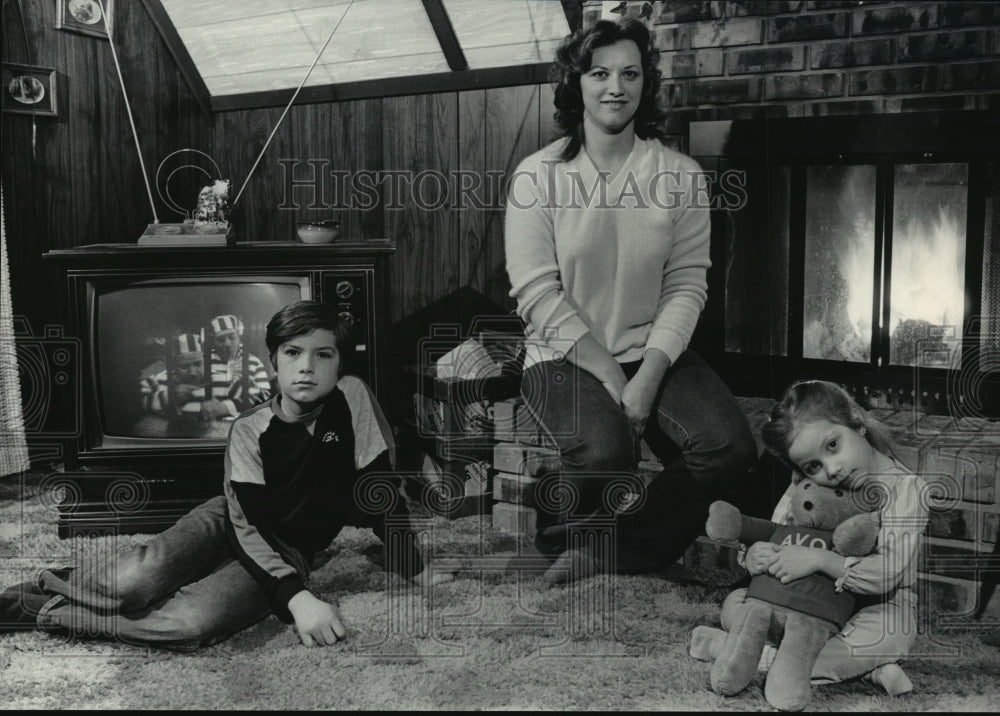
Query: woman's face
x=612, y=87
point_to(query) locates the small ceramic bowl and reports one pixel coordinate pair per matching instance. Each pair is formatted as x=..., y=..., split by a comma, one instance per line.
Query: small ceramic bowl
x=317, y=232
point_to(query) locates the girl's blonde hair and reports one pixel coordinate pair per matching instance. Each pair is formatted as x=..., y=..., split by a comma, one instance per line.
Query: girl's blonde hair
x=810, y=400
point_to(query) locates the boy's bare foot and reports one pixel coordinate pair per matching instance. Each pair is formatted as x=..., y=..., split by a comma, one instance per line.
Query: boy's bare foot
x=19, y=606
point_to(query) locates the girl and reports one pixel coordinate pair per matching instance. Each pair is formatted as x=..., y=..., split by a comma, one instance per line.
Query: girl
x=820, y=432
x=607, y=246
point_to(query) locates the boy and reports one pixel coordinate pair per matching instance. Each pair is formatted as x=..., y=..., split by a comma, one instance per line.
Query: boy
x=290, y=473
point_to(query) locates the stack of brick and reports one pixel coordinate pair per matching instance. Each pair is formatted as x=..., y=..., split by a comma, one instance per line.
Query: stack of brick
x=453, y=432
x=519, y=458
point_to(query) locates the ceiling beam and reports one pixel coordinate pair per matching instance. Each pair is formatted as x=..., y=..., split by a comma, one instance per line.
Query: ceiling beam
x=573, y=10
x=512, y=76
x=181, y=56
x=446, y=35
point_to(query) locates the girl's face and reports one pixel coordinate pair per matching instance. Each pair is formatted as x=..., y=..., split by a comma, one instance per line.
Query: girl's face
x=833, y=455
x=308, y=367
x=612, y=87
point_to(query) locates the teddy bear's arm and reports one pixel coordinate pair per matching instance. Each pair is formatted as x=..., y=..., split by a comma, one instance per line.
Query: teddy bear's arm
x=754, y=529
x=726, y=522
x=856, y=536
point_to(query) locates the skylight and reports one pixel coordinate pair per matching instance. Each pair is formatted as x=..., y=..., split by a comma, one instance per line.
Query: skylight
x=241, y=47
x=507, y=32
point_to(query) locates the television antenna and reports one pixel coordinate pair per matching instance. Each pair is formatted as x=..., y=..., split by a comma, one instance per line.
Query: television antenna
x=135, y=134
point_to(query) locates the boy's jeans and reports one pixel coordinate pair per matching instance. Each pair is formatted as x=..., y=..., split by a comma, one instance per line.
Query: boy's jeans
x=182, y=590
x=697, y=431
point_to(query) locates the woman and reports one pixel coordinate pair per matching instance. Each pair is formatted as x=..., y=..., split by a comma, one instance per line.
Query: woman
x=607, y=251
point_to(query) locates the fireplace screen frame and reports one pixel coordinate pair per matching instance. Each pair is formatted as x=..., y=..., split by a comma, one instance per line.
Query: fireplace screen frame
x=766, y=146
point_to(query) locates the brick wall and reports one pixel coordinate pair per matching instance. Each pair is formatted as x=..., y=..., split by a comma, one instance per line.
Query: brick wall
x=739, y=59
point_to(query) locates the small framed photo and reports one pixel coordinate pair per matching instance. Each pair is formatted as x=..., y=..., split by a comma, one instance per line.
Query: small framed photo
x=88, y=17
x=28, y=89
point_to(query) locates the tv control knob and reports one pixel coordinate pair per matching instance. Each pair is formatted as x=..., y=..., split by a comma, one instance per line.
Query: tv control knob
x=344, y=289
x=347, y=316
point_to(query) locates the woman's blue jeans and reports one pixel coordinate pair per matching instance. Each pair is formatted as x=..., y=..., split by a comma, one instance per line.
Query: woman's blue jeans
x=696, y=430
x=182, y=590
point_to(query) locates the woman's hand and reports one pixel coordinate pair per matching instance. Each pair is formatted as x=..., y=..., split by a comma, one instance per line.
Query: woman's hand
x=793, y=562
x=759, y=557
x=637, y=401
x=589, y=355
x=316, y=621
x=615, y=384
x=639, y=393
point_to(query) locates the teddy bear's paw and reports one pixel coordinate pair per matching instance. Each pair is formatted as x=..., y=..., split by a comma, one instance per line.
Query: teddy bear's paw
x=706, y=643
x=892, y=678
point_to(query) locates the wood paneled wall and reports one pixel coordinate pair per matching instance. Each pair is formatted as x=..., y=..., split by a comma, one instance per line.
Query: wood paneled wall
x=445, y=241
x=75, y=179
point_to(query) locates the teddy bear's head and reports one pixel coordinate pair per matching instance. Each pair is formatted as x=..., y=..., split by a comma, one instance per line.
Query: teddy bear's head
x=822, y=507
x=854, y=526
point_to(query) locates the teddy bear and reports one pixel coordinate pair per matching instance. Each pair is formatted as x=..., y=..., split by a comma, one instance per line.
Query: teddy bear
x=802, y=614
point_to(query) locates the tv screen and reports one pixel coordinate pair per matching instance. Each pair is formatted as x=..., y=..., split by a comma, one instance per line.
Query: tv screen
x=179, y=358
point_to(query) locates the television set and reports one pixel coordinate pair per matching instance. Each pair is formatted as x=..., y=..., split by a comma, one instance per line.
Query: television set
x=170, y=345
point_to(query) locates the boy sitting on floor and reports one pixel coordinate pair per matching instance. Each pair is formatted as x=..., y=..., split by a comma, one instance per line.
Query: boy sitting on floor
x=291, y=468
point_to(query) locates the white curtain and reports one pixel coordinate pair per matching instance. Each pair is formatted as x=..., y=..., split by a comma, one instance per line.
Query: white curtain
x=13, y=449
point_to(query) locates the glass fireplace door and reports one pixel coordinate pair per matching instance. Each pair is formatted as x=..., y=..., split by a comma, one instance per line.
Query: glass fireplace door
x=927, y=272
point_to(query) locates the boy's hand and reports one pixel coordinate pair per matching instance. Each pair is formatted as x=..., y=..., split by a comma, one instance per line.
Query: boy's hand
x=759, y=557
x=431, y=577
x=316, y=621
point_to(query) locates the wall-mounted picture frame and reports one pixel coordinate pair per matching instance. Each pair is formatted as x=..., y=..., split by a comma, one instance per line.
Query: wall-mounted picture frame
x=27, y=89
x=88, y=17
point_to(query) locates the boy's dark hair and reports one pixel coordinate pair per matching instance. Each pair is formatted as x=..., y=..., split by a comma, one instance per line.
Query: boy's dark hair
x=574, y=57
x=304, y=317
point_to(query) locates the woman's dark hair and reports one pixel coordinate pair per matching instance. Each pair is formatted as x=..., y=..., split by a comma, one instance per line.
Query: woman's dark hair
x=574, y=58
x=304, y=317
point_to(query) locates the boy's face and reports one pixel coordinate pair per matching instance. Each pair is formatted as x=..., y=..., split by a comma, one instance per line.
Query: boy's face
x=307, y=367
x=189, y=367
x=226, y=344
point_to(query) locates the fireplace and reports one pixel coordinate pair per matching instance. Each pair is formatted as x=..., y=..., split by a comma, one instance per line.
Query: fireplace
x=864, y=250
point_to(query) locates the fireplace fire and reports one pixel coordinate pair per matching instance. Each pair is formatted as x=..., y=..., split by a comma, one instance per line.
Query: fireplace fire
x=867, y=252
